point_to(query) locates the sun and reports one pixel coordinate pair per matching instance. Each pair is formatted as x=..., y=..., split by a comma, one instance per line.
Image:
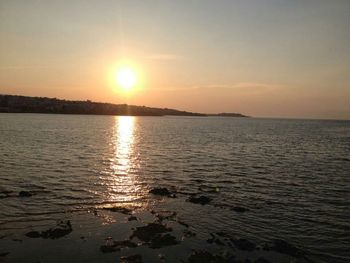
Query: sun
x=126, y=78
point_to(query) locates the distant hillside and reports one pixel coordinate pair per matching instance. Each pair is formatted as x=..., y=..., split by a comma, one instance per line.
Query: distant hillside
x=225, y=114
x=24, y=104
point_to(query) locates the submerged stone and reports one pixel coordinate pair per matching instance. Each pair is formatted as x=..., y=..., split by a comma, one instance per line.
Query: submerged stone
x=5, y=194
x=203, y=200
x=183, y=223
x=131, y=259
x=261, y=260
x=33, y=234
x=199, y=256
x=118, y=209
x=215, y=240
x=162, y=191
x=166, y=215
x=113, y=246
x=124, y=244
x=159, y=241
x=188, y=233
x=284, y=247
x=4, y=254
x=62, y=229
x=24, y=194
x=243, y=244
x=159, y=191
x=148, y=232
x=239, y=209
x=132, y=218
x=223, y=234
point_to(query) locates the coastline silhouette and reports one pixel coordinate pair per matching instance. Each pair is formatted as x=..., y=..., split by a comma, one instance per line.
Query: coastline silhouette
x=26, y=104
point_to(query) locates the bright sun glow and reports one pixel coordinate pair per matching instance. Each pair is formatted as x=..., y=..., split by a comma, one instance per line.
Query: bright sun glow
x=126, y=78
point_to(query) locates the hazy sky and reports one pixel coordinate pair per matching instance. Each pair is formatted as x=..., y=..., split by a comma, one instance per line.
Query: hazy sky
x=279, y=58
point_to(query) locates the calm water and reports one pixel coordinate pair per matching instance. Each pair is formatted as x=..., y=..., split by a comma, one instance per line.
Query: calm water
x=292, y=175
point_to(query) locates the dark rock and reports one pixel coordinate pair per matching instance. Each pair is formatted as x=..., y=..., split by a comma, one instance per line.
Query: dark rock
x=243, y=244
x=211, y=240
x=113, y=246
x=132, y=218
x=215, y=240
x=159, y=241
x=203, y=200
x=124, y=244
x=33, y=234
x=148, y=232
x=161, y=257
x=131, y=259
x=261, y=260
x=108, y=249
x=62, y=229
x=206, y=257
x=118, y=209
x=166, y=215
x=201, y=257
x=222, y=234
x=5, y=194
x=284, y=247
x=188, y=233
x=162, y=191
x=24, y=194
x=183, y=223
x=4, y=254
x=239, y=209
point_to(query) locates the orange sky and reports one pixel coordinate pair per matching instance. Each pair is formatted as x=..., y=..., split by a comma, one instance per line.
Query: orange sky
x=260, y=58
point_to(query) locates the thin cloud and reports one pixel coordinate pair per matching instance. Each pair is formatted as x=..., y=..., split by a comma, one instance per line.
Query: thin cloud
x=241, y=86
x=254, y=85
x=22, y=67
x=164, y=56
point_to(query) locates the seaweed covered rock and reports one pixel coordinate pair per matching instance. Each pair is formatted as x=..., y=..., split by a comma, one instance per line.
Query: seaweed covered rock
x=203, y=200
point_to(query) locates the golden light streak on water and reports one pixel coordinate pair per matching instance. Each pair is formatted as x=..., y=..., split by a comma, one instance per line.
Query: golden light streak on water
x=123, y=183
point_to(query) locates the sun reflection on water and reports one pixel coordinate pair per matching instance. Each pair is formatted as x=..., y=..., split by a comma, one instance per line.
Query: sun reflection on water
x=124, y=144
x=123, y=182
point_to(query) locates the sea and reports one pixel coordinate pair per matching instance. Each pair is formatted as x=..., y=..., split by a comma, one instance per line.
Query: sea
x=266, y=179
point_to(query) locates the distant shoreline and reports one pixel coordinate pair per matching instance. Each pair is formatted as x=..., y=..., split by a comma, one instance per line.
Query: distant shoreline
x=27, y=104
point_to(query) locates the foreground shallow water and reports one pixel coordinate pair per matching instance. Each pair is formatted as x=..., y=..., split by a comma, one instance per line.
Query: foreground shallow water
x=264, y=180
